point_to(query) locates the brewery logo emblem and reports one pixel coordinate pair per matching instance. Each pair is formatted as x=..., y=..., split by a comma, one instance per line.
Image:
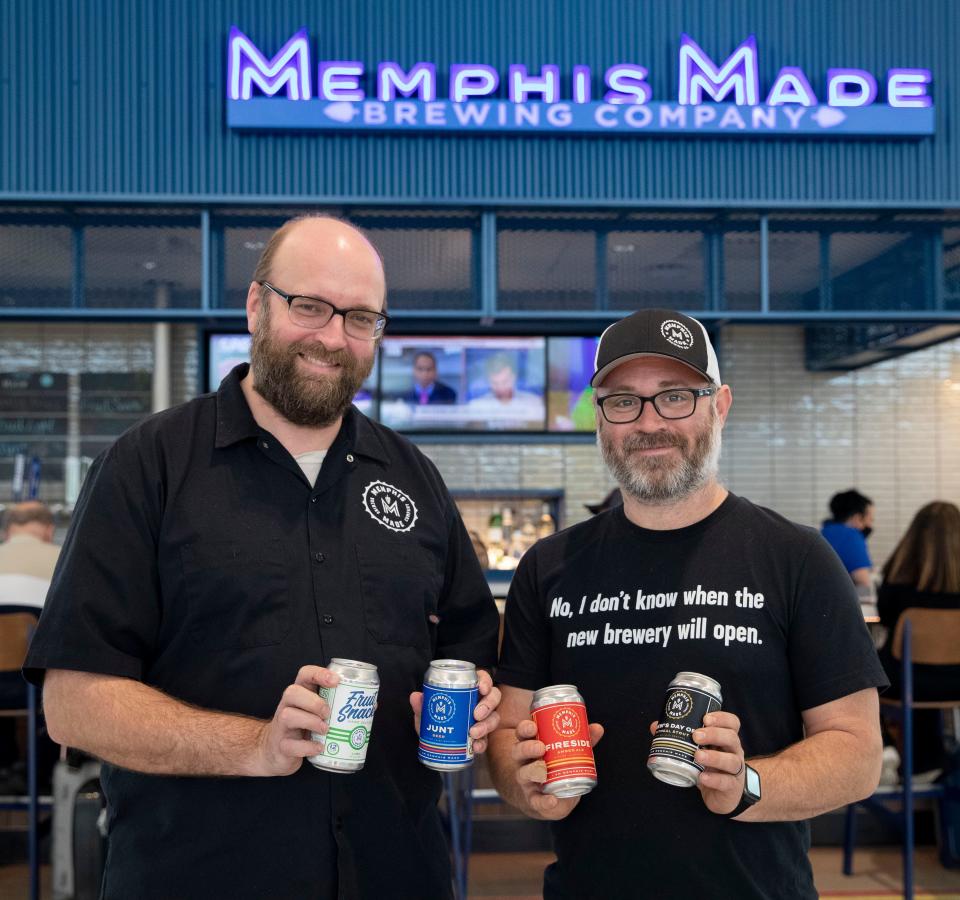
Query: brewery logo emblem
x=358, y=737
x=442, y=707
x=677, y=334
x=679, y=704
x=566, y=721
x=389, y=506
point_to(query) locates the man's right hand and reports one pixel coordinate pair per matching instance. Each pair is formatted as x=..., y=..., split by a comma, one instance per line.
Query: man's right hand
x=285, y=739
x=532, y=772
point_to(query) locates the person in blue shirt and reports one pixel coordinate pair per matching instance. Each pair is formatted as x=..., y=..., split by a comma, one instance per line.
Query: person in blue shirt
x=847, y=533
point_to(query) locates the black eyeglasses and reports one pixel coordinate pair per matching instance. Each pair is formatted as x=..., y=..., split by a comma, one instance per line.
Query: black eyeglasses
x=312, y=312
x=674, y=403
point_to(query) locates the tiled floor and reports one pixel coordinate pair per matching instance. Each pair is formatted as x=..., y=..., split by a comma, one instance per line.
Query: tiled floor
x=517, y=876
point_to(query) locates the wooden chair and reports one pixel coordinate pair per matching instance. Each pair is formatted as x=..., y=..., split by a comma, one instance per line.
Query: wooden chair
x=928, y=637
x=16, y=630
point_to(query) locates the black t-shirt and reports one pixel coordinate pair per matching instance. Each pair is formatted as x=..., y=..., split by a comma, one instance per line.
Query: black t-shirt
x=201, y=562
x=760, y=604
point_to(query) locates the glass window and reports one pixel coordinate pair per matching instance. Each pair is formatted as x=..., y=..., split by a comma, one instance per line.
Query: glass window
x=36, y=265
x=882, y=270
x=794, y=266
x=741, y=270
x=141, y=266
x=656, y=268
x=546, y=269
x=241, y=249
x=951, y=268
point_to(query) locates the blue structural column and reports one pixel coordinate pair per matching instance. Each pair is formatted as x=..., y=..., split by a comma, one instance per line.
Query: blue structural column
x=488, y=264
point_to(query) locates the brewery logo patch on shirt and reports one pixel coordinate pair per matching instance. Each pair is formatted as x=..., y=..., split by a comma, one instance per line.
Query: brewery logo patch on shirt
x=677, y=334
x=389, y=506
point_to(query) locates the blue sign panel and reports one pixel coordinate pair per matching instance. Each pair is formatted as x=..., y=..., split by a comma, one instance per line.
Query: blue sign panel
x=660, y=118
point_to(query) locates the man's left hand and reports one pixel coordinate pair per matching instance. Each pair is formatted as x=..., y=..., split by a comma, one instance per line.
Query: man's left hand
x=721, y=755
x=485, y=715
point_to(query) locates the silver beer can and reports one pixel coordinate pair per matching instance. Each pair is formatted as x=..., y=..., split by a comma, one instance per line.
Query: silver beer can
x=450, y=696
x=561, y=719
x=690, y=696
x=352, y=705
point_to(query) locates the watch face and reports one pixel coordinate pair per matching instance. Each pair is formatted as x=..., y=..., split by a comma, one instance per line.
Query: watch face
x=752, y=783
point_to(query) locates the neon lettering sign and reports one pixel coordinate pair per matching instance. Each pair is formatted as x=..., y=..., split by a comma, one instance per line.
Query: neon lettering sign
x=286, y=90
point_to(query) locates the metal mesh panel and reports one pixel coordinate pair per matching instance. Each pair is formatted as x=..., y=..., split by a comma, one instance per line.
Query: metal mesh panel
x=655, y=268
x=794, y=260
x=546, y=270
x=142, y=267
x=877, y=271
x=741, y=270
x=36, y=265
x=241, y=252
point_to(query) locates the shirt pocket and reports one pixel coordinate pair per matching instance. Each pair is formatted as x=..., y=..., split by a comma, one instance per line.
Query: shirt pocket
x=237, y=593
x=400, y=583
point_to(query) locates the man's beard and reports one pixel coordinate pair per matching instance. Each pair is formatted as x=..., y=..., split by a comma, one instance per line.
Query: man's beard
x=301, y=398
x=663, y=479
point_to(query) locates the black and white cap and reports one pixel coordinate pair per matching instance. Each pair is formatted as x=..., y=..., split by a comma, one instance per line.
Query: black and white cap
x=656, y=332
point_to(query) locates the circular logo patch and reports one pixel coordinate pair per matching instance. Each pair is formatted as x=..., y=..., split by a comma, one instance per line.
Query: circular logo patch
x=566, y=721
x=389, y=506
x=677, y=334
x=442, y=707
x=358, y=737
x=679, y=704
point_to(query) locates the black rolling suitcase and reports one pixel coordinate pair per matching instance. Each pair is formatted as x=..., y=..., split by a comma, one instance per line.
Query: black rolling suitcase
x=78, y=841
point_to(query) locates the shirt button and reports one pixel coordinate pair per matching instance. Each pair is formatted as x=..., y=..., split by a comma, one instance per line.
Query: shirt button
x=349, y=457
x=314, y=499
x=328, y=620
x=319, y=557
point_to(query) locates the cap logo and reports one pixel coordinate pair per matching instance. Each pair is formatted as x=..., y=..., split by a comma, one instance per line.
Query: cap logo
x=677, y=334
x=389, y=506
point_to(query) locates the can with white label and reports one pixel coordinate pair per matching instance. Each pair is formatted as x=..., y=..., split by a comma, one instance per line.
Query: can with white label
x=352, y=705
x=450, y=696
x=561, y=719
x=690, y=696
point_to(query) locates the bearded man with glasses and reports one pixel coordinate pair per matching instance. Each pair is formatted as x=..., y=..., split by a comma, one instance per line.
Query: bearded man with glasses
x=686, y=577
x=222, y=552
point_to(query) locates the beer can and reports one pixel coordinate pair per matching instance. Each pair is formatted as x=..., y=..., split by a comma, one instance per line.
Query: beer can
x=561, y=718
x=352, y=704
x=450, y=696
x=690, y=696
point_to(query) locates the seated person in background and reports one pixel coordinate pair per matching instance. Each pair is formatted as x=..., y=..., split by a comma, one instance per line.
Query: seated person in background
x=27, y=555
x=506, y=404
x=847, y=533
x=924, y=571
x=426, y=389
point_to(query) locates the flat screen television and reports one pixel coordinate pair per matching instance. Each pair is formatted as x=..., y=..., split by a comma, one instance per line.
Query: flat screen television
x=569, y=395
x=463, y=383
x=226, y=350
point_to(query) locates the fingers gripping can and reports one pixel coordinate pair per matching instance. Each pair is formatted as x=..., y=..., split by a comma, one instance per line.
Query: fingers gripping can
x=449, y=698
x=352, y=704
x=561, y=718
x=690, y=696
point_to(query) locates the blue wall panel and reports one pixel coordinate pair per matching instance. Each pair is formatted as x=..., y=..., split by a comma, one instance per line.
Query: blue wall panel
x=125, y=99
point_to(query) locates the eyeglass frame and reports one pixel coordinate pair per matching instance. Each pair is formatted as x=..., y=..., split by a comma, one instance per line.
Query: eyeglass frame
x=378, y=333
x=697, y=394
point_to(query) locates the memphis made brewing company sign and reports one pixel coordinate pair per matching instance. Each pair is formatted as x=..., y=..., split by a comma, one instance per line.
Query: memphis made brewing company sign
x=283, y=90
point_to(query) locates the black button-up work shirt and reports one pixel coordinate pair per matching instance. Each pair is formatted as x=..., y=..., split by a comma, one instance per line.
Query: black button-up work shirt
x=201, y=562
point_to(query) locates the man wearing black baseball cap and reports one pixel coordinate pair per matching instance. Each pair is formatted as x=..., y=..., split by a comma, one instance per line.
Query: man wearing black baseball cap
x=686, y=577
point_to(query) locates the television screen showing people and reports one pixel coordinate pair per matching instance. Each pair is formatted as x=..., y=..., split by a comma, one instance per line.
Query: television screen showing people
x=224, y=351
x=569, y=395
x=456, y=383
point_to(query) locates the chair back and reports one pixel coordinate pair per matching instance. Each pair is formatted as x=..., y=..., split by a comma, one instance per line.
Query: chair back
x=15, y=631
x=935, y=636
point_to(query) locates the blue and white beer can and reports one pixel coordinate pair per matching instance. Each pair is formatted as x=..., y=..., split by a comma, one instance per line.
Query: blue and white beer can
x=352, y=705
x=450, y=695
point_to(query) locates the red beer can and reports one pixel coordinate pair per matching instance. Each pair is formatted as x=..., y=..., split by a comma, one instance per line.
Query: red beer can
x=561, y=719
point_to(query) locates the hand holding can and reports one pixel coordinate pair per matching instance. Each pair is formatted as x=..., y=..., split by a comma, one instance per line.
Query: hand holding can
x=352, y=703
x=561, y=719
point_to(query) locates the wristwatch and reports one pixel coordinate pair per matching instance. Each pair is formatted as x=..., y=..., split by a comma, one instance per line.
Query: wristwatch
x=751, y=790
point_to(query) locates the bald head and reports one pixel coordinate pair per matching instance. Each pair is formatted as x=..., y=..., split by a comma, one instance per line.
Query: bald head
x=310, y=244
x=30, y=517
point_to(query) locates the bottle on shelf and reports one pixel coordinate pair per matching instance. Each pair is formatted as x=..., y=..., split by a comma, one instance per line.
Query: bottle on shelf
x=546, y=526
x=507, y=526
x=495, y=543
